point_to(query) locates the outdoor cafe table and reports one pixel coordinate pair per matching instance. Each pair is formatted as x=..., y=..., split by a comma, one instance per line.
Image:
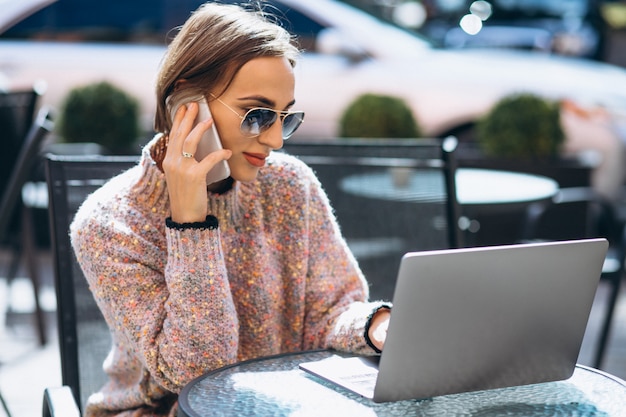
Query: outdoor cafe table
x=474, y=187
x=275, y=386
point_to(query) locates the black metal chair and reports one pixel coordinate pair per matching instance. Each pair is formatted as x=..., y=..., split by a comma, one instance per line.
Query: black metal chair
x=84, y=338
x=381, y=216
x=597, y=218
x=22, y=150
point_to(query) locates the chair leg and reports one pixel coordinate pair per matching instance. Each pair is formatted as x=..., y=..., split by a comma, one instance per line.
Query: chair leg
x=615, y=283
x=15, y=263
x=29, y=247
x=5, y=406
x=15, y=254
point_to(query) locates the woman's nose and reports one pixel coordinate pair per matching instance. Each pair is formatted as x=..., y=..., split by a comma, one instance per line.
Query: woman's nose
x=273, y=137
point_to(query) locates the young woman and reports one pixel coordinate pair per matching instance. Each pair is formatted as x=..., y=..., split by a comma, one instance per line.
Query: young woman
x=191, y=277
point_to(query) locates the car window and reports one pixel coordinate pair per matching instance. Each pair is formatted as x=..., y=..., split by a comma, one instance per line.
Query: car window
x=516, y=9
x=305, y=28
x=137, y=21
x=556, y=8
x=78, y=20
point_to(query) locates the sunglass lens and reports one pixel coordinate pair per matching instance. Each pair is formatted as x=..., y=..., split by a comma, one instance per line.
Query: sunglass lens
x=291, y=123
x=257, y=120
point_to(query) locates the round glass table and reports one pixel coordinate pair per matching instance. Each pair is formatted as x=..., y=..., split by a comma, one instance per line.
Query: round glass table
x=275, y=386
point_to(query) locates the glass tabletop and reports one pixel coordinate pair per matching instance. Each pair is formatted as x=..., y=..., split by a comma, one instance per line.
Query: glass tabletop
x=275, y=386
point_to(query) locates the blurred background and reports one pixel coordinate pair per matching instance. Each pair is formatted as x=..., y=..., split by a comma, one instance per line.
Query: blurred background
x=451, y=63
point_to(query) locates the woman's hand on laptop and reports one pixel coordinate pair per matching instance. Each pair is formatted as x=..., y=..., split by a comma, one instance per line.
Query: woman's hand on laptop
x=378, y=327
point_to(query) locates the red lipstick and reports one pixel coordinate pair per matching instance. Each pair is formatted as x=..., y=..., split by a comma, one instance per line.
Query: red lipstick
x=255, y=159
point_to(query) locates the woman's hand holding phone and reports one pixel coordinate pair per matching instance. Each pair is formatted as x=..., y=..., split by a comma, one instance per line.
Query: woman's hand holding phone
x=210, y=142
x=187, y=177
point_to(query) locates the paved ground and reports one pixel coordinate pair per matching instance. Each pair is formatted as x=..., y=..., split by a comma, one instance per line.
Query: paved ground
x=26, y=369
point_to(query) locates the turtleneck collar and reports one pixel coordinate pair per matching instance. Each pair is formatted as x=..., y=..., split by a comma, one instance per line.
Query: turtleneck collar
x=226, y=206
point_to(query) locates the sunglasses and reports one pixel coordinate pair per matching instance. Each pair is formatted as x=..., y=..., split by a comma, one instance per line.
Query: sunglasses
x=258, y=119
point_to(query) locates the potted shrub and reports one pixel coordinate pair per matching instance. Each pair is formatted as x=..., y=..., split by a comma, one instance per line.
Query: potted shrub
x=100, y=113
x=381, y=116
x=522, y=126
x=378, y=116
x=523, y=132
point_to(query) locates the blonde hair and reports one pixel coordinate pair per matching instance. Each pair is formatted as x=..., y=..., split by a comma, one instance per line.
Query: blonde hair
x=212, y=45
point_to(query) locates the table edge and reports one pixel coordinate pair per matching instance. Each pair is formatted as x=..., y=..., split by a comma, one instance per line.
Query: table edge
x=182, y=396
x=185, y=409
x=605, y=374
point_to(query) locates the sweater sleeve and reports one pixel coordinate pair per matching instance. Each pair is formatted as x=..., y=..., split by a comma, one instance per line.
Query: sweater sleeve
x=172, y=305
x=338, y=310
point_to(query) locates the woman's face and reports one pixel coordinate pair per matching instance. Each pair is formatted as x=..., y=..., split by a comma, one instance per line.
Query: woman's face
x=262, y=82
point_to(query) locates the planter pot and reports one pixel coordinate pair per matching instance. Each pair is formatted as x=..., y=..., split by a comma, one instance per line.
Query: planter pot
x=401, y=176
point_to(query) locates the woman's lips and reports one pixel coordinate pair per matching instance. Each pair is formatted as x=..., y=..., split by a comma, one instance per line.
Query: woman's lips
x=255, y=159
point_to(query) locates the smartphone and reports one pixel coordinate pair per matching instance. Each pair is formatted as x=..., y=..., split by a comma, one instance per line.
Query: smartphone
x=210, y=142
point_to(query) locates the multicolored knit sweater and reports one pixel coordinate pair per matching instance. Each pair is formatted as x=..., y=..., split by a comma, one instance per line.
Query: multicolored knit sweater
x=274, y=276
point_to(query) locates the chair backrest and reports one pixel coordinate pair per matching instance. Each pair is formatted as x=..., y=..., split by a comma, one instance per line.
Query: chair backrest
x=556, y=219
x=84, y=338
x=17, y=114
x=381, y=214
x=21, y=167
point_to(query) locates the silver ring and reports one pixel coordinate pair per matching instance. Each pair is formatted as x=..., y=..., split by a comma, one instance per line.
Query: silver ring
x=187, y=155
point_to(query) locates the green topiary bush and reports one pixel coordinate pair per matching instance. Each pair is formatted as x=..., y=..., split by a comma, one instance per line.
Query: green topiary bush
x=100, y=113
x=378, y=116
x=521, y=126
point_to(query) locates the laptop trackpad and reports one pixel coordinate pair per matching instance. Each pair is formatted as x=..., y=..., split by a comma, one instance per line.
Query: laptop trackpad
x=357, y=374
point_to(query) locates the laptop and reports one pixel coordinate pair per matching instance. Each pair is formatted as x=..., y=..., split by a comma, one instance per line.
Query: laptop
x=481, y=318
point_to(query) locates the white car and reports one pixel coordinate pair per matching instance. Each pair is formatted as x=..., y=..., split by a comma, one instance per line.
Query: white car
x=348, y=52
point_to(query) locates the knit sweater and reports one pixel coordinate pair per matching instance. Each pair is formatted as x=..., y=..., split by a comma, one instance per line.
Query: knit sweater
x=275, y=275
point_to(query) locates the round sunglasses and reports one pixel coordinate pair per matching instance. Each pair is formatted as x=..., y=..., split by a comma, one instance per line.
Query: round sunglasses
x=258, y=119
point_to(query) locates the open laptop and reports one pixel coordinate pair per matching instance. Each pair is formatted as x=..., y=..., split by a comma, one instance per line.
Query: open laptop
x=478, y=318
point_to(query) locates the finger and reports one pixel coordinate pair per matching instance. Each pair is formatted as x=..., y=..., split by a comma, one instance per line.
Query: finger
x=195, y=136
x=183, y=122
x=215, y=157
